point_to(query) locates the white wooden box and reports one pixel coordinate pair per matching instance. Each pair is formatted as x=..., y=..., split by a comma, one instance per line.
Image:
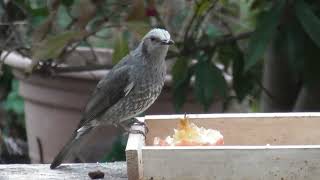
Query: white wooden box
x=258, y=146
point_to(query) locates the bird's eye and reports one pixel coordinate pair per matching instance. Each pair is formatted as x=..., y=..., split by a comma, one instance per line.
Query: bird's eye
x=152, y=38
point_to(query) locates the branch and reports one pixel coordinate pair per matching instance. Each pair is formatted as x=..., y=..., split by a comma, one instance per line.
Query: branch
x=189, y=25
x=86, y=34
x=95, y=58
x=224, y=40
x=201, y=18
x=228, y=38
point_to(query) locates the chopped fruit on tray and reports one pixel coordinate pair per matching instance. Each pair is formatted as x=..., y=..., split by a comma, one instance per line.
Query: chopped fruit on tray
x=188, y=134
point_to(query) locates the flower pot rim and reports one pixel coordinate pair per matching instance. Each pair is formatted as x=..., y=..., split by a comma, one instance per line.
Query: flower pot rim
x=21, y=63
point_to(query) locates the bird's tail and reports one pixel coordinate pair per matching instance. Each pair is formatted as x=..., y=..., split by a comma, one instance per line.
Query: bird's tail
x=69, y=147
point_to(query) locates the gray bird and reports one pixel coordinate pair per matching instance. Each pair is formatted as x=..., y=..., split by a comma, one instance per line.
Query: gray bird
x=127, y=90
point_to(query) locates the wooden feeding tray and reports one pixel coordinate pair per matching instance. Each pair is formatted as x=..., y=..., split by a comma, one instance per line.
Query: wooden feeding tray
x=257, y=146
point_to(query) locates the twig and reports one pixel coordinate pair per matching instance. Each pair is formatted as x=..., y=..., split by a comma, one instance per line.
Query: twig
x=73, y=19
x=67, y=51
x=229, y=19
x=266, y=91
x=40, y=150
x=226, y=25
x=25, y=12
x=17, y=35
x=95, y=58
x=101, y=37
x=4, y=45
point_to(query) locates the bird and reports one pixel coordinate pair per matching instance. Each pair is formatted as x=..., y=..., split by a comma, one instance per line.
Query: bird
x=129, y=89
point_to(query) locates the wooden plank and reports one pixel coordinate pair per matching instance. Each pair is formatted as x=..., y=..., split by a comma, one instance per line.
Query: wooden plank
x=133, y=153
x=112, y=171
x=234, y=115
x=242, y=163
x=247, y=129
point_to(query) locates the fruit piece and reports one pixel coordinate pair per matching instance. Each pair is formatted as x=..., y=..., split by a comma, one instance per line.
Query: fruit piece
x=188, y=134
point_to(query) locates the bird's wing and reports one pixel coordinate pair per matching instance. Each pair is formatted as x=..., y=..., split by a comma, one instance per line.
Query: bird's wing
x=108, y=92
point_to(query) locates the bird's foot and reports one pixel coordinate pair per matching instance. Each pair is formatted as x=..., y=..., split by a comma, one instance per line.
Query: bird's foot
x=134, y=131
x=140, y=123
x=135, y=121
x=128, y=129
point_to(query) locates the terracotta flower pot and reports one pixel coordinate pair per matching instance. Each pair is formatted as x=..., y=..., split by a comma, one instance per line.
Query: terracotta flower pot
x=53, y=107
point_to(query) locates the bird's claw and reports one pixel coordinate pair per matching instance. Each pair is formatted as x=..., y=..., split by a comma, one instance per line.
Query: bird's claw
x=128, y=129
x=135, y=121
x=134, y=131
x=141, y=123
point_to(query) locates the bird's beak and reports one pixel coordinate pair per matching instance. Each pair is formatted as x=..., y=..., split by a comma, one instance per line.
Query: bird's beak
x=167, y=42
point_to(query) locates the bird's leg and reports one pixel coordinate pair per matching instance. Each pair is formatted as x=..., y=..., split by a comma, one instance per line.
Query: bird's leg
x=129, y=130
x=133, y=121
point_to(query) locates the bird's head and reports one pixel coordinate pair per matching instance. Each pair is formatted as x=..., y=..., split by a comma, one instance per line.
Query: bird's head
x=156, y=41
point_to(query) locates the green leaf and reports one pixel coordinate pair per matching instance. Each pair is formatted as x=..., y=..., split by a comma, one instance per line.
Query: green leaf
x=6, y=77
x=118, y=150
x=120, y=48
x=212, y=31
x=309, y=21
x=209, y=83
x=67, y=2
x=294, y=44
x=242, y=82
x=202, y=7
x=37, y=20
x=37, y=10
x=180, y=92
x=266, y=28
x=226, y=53
x=180, y=69
x=138, y=27
x=14, y=102
x=40, y=11
x=181, y=79
x=63, y=19
x=310, y=62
